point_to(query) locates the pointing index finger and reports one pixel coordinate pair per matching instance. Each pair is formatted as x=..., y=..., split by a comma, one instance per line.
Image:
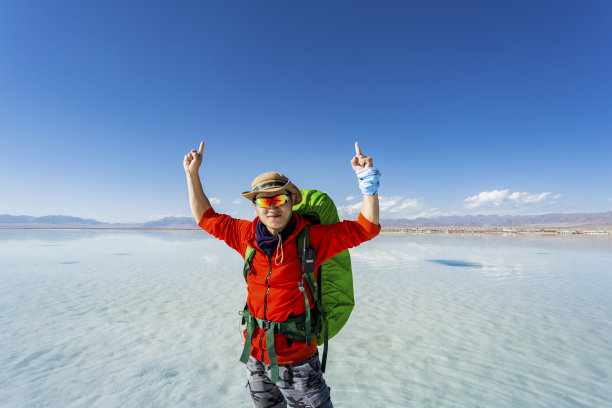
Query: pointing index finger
x=201, y=149
x=357, y=150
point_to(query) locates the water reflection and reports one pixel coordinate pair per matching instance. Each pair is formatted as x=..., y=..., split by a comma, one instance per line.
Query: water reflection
x=514, y=328
x=52, y=237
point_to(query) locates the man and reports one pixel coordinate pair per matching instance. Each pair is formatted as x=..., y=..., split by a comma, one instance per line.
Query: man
x=288, y=373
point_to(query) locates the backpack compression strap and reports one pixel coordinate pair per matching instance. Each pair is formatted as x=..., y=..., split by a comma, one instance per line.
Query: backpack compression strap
x=293, y=328
x=307, y=255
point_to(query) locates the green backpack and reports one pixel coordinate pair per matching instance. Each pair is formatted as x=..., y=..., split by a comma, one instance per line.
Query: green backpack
x=332, y=291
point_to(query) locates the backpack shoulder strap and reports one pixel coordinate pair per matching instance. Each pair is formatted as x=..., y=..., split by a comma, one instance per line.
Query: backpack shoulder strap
x=307, y=256
x=303, y=240
x=248, y=258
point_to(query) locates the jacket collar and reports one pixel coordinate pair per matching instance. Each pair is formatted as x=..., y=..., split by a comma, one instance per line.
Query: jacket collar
x=300, y=223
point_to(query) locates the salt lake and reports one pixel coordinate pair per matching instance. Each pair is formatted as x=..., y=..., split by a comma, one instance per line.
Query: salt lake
x=150, y=319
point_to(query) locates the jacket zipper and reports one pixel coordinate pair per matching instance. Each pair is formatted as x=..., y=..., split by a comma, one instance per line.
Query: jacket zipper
x=266, y=306
x=267, y=290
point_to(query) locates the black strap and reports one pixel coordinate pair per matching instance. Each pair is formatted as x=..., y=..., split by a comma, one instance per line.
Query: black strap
x=307, y=256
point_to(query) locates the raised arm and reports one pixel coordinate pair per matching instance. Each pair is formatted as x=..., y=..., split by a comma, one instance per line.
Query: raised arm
x=368, y=182
x=197, y=199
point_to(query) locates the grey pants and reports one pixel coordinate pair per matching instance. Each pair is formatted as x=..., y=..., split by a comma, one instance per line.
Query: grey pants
x=301, y=385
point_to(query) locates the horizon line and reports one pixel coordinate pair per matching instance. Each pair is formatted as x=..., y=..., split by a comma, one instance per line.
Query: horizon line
x=382, y=219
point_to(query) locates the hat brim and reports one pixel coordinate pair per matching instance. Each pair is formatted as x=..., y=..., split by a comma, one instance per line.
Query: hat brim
x=289, y=186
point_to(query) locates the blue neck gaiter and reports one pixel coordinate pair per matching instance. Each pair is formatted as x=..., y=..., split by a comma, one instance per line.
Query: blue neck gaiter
x=268, y=242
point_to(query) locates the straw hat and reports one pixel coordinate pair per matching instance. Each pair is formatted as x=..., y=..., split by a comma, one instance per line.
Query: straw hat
x=272, y=183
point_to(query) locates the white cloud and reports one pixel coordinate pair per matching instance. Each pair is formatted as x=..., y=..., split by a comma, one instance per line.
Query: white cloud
x=526, y=198
x=390, y=207
x=495, y=197
x=498, y=198
x=350, y=198
x=239, y=201
x=396, y=204
x=349, y=211
x=214, y=200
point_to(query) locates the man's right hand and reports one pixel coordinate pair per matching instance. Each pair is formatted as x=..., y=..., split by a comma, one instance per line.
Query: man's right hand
x=360, y=161
x=193, y=160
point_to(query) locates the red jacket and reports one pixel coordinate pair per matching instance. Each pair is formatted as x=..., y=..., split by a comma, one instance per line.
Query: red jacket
x=273, y=292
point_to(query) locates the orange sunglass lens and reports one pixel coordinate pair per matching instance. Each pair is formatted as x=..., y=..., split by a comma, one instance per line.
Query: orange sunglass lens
x=279, y=200
x=267, y=201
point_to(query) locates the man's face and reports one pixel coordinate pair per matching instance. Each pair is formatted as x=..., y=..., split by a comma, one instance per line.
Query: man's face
x=275, y=217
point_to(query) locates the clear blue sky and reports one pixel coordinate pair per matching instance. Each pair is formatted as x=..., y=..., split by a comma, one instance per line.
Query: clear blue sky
x=466, y=107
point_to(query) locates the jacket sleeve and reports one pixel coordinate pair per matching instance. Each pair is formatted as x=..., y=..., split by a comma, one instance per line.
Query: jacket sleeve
x=329, y=240
x=231, y=230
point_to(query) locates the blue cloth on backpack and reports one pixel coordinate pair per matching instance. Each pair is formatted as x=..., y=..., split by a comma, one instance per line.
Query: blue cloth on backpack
x=369, y=180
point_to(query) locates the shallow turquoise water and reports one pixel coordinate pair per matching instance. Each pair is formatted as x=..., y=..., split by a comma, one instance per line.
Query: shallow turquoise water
x=149, y=319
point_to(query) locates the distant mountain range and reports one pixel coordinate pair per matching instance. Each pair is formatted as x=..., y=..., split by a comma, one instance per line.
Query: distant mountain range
x=47, y=220
x=576, y=220
x=63, y=221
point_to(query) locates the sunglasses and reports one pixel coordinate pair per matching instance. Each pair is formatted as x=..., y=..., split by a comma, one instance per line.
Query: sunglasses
x=276, y=201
